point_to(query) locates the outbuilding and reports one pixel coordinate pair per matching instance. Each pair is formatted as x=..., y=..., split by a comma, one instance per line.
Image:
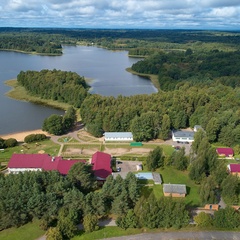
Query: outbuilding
x=118, y=136
x=174, y=190
x=234, y=169
x=225, y=152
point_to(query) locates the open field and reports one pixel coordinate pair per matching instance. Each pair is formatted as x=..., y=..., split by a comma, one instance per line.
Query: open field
x=46, y=146
x=172, y=175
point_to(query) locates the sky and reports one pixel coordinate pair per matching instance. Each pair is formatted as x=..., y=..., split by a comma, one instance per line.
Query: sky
x=148, y=14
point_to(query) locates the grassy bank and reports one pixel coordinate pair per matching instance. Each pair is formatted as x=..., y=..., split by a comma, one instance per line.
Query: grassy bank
x=29, y=231
x=152, y=77
x=19, y=93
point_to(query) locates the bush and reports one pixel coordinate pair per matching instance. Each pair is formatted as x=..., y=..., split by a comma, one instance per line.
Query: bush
x=11, y=142
x=34, y=138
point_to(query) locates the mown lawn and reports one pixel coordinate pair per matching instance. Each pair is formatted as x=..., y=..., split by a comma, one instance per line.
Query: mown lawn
x=47, y=146
x=172, y=175
x=107, y=232
x=30, y=231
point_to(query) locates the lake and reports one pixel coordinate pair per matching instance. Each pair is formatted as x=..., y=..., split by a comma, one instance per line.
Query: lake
x=105, y=68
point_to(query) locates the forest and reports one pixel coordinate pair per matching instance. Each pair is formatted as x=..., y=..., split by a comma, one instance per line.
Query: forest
x=54, y=84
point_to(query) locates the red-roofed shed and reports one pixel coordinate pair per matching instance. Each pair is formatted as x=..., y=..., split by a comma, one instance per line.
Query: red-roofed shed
x=101, y=165
x=39, y=162
x=225, y=152
x=234, y=169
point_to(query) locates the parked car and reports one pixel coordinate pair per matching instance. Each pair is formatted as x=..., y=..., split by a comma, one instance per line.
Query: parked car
x=118, y=169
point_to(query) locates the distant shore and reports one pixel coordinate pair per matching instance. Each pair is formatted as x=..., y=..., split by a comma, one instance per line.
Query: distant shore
x=19, y=136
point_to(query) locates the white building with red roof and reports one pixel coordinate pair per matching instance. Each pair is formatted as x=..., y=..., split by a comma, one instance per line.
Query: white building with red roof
x=234, y=169
x=39, y=162
x=101, y=165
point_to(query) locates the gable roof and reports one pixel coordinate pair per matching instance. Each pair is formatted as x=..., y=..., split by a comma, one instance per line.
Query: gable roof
x=225, y=151
x=174, y=188
x=101, y=164
x=234, y=168
x=42, y=162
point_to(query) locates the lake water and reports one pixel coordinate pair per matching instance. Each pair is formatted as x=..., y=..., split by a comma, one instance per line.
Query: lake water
x=105, y=68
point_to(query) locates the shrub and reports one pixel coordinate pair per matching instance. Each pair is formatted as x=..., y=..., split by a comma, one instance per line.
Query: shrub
x=11, y=142
x=34, y=138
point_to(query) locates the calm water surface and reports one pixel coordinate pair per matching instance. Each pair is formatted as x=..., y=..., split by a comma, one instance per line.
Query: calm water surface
x=106, y=68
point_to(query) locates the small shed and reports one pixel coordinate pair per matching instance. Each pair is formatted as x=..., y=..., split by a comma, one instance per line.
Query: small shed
x=174, y=190
x=139, y=167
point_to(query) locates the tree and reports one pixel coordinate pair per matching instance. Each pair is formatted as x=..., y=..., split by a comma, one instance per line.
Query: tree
x=179, y=159
x=90, y=223
x=65, y=224
x=212, y=129
x=53, y=125
x=165, y=127
x=81, y=175
x=207, y=190
x=198, y=137
x=145, y=127
x=10, y=142
x=155, y=159
x=54, y=233
x=230, y=189
x=203, y=219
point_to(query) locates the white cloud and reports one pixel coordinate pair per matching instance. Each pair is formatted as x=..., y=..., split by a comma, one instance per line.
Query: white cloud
x=121, y=13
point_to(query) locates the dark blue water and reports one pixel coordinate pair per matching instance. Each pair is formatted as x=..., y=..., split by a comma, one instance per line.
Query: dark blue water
x=105, y=68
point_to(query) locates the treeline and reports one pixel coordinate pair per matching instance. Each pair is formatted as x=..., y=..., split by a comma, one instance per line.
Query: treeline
x=215, y=107
x=57, y=85
x=32, y=43
x=175, y=68
x=63, y=202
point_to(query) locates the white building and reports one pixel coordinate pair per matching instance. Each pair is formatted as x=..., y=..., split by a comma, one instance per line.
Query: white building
x=118, y=136
x=182, y=136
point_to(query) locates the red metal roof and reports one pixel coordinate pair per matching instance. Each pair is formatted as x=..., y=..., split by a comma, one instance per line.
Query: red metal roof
x=225, y=151
x=234, y=168
x=42, y=161
x=101, y=164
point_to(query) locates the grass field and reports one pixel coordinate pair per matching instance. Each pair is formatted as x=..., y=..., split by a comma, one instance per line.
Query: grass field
x=47, y=146
x=18, y=92
x=172, y=175
x=30, y=231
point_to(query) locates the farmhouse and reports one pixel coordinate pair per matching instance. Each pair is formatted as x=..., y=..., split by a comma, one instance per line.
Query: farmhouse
x=182, y=136
x=39, y=162
x=101, y=165
x=234, y=169
x=118, y=136
x=174, y=190
x=225, y=152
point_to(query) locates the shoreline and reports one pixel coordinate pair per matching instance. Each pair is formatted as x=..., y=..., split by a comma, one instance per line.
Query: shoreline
x=19, y=136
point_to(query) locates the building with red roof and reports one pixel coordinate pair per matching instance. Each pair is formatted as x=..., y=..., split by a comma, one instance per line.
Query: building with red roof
x=101, y=165
x=234, y=169
x=39, y=162
x=225, y=152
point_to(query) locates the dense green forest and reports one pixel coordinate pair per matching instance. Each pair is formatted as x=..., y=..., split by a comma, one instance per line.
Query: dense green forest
x=175, y=68
x=212, y=105
x=57, y=85
x=50, y=41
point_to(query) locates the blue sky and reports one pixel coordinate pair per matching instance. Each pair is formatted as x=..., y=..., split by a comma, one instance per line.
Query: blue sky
x=162, y=14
